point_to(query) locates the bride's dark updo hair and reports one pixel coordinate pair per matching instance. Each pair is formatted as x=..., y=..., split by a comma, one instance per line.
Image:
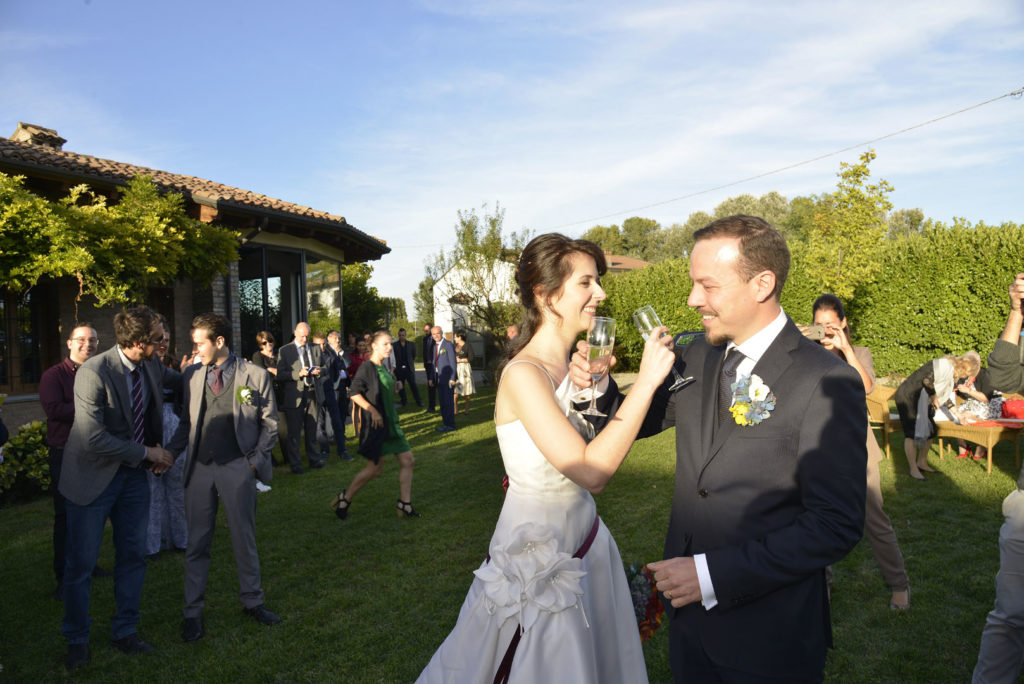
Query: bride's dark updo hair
x=543, y=268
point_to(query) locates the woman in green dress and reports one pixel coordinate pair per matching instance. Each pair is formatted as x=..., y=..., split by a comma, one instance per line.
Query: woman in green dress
x=372, y=393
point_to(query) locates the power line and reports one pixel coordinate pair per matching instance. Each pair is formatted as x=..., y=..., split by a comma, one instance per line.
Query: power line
x=1014, y=93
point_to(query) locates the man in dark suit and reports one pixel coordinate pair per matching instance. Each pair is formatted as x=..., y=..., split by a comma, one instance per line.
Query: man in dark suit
x=428, y=367
x=405, y=367
x=114, y=438
x=444, y=377
x=299, y=364
x=334, y=367
x=227, y=431
x=769, y=485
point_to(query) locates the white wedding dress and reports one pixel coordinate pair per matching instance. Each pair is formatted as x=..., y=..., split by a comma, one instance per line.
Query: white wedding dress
x=576, y=613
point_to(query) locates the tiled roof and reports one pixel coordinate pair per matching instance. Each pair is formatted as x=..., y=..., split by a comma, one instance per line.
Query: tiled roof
x=618, y=262
x=22, y=157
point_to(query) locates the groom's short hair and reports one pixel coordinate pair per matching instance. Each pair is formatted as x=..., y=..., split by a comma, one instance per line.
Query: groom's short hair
x=762, y=248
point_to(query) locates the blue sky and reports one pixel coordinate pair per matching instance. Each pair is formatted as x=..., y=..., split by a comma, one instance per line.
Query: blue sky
x=398, y=114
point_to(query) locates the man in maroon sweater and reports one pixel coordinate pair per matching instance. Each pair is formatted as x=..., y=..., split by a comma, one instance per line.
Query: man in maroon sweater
x=57, y=395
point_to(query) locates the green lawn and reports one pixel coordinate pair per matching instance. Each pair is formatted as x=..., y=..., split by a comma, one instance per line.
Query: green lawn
x=370, y=598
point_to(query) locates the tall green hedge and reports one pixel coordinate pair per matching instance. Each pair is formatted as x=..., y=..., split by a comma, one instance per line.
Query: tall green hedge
x=940, y=292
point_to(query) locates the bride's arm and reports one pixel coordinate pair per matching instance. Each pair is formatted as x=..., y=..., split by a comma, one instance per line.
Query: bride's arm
x=528, y=391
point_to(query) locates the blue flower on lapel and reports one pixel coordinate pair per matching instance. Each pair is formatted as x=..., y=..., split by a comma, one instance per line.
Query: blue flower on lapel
x=753, y=401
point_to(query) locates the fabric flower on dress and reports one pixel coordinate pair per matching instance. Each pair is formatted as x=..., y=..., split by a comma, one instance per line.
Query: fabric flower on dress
x=530, y=576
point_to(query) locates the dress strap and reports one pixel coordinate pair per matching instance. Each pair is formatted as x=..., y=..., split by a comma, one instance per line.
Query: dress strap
x=554, y=385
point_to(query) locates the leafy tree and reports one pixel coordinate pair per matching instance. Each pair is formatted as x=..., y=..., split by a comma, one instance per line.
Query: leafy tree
x=799, y=223
x=479, y=269
x=116, y=252
x=772, y=207
x=35, y=238
x=606, y=237
x=906, y=222
x=363, y=308
x=423, y=300
x=392, y=309
x=640, y=238
x=844, y=247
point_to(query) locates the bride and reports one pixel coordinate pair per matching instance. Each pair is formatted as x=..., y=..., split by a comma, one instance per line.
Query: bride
x=551, y=602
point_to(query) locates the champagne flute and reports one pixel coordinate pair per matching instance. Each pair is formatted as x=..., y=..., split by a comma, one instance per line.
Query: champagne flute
x=600, y=339
x=646, y=320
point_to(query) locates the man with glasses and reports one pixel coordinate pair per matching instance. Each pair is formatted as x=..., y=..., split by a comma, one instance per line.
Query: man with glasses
x=299, y=366
x=57, y=396
x=114, y=439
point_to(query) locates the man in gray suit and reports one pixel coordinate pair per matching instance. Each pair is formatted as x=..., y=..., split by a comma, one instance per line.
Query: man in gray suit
x=229, y=429
x=115, y=437
x=299, y=365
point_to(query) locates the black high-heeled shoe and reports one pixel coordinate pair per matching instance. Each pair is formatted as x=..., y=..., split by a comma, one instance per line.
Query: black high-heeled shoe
x=339, y=510
x=406, y=510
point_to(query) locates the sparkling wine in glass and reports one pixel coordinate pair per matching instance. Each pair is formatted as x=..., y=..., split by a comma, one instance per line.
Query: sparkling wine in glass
x=600, y=339
x=646, y=319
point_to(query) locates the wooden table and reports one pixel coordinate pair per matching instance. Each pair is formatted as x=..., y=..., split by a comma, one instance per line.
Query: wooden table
x=986, y=436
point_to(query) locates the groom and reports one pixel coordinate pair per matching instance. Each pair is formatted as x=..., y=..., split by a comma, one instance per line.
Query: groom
x=763, y=503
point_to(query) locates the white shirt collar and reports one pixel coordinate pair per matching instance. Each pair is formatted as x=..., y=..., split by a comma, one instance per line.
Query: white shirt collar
x=131, y=365
x=757, y=344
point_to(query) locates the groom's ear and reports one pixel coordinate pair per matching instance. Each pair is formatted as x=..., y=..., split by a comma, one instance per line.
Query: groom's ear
x=764, y=283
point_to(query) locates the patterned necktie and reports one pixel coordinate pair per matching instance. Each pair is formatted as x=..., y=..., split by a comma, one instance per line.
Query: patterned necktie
x=138, y=410
x=218, y=382
x=733, y=358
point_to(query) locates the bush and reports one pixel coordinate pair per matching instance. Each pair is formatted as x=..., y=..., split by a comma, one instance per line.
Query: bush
x=26, y=459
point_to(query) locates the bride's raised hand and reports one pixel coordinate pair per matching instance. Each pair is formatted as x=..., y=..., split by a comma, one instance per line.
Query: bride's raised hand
x=579, y=367
x=659, y=355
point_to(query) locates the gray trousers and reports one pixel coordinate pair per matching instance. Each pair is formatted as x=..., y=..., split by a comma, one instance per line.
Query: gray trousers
x=235, y=483
x=1002, y=641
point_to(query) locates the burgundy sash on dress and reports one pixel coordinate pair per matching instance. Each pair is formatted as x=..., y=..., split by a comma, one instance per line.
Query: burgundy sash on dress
x=505, y=668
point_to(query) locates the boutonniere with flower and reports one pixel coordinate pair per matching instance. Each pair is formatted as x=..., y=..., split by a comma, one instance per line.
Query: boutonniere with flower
x=443, y=351
x=753, y=401
x=245, y=395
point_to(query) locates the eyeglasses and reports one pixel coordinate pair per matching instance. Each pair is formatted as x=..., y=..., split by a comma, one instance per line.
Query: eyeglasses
x=83, y=340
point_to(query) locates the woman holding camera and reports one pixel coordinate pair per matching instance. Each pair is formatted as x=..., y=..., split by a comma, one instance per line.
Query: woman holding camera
x=829, y=313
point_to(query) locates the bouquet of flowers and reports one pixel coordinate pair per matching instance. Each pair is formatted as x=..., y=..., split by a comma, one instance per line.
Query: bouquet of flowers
x=647, y=604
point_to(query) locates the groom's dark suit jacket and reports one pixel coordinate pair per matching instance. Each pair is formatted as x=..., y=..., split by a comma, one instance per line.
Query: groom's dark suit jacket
x=770, y=504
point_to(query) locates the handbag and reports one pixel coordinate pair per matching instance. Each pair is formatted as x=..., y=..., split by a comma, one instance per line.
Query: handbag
x=1014, y=408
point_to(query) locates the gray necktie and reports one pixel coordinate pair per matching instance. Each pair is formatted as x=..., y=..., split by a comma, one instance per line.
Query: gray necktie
x=733, y=358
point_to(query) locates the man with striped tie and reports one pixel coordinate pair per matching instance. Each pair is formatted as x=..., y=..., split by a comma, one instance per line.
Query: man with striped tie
x=114, y=439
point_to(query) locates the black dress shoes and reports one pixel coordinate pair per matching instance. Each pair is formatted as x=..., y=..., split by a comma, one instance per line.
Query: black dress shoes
x=263, y=615
x=192, y=629
x=297, y=470
x=78, y=655
x=316, y=464
x=345, y=456
x=131, y=644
